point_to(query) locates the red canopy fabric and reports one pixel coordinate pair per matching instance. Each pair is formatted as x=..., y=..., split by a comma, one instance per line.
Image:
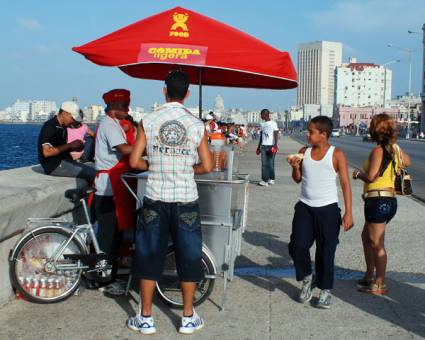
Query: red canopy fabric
x=180, y=38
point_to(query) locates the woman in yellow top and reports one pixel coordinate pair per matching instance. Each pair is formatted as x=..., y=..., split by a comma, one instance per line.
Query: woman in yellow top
x=380, y=204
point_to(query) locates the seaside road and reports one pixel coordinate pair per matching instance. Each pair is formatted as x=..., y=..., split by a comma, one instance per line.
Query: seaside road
x=261, y=299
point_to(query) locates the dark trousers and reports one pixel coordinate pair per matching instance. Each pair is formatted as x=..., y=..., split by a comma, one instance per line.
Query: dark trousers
x=109, y=237
x=267, y=163
x=320, y=225
x=71, y=168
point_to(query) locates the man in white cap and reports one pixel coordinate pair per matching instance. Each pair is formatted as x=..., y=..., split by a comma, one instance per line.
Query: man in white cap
x=53, y=149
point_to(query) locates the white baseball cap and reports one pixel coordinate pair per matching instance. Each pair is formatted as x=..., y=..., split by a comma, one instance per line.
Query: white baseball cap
x=73, y=109
x=208, y=116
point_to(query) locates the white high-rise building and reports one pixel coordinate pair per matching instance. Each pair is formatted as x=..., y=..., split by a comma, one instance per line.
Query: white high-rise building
x=363, y=84
x=21, y=106
x=42, y=106
x=316, y=72
x=92, y=112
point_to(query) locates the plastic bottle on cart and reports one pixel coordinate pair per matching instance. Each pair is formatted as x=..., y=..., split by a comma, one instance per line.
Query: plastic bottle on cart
x=57, y=286
x=35, y=287
x=43, y=287
x=50, y=287
x=218, y=141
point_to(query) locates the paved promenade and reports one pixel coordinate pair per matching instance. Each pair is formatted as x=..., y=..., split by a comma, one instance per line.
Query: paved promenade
x=261, y=299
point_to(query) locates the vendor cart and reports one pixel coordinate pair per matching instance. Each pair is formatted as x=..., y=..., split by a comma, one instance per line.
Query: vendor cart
x=223, y=205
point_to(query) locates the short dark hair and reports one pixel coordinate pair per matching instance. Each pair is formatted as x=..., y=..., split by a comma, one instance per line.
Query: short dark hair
x=177, y=83
x=323, y=124
x=265, y=111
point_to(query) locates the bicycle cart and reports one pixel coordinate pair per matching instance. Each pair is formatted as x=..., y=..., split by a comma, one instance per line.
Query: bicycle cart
x=223, y=207
x=47, y=262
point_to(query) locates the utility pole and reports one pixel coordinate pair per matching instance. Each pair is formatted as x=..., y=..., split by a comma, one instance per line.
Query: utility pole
x=422, y=125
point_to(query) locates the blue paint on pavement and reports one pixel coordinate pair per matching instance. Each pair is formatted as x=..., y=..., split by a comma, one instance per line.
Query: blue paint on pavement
x=289, y=272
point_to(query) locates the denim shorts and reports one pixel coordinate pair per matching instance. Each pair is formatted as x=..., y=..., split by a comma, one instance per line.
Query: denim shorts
x=380, y=209
x=157, y=222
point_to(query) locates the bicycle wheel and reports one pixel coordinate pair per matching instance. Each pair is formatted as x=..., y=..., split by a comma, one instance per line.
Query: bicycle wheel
x=28, y=266
x=168, y=287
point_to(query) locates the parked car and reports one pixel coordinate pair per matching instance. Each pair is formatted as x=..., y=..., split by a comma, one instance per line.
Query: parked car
x=335, y=133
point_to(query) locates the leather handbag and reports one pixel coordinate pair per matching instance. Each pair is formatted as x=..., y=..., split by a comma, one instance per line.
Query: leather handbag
x=403, y=180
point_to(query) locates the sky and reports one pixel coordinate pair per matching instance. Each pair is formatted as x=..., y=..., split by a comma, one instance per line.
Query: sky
x=36, y=60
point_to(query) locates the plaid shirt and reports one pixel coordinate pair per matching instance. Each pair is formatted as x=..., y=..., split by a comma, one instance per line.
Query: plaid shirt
x=173, y=135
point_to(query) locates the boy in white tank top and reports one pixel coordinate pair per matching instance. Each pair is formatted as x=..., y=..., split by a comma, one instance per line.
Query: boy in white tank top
x=317, y=215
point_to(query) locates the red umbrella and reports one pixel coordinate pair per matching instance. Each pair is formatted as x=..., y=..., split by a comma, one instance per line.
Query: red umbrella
x=211, y=52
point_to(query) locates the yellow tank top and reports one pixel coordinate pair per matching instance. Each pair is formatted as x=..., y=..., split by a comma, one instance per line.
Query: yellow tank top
x=384, y=181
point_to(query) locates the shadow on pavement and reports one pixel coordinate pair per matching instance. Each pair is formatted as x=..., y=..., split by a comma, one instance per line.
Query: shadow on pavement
x=404, y=306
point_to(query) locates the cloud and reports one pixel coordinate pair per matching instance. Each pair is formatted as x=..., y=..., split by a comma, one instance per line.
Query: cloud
x=42, y=49
x=353, y=16
x=28, y=23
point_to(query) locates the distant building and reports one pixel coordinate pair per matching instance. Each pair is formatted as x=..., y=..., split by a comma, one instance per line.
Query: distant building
x=253, y=117
x=92, y=112
x=405, y=101
x=316, y=72
x=42, y=106
x=363, y=84
x=295, y=113
x=361, y=116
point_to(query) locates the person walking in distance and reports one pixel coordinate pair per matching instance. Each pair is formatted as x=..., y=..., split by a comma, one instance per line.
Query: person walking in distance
x=174, y=141
x=317, y=215
x=267, y=147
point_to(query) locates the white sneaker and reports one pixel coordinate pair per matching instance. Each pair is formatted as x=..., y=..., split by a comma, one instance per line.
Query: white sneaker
x=142, y=324
x=115, y=288
x=271, y=181
x=263, y=184
x=191, y=324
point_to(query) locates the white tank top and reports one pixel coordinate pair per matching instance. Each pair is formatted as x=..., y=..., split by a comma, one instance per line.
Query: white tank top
x=318, y=186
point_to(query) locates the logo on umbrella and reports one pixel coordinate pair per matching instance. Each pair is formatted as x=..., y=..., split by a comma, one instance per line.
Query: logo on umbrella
x=179, y=23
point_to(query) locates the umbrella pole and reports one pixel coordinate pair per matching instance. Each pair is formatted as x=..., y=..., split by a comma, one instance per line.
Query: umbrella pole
x=200, y=93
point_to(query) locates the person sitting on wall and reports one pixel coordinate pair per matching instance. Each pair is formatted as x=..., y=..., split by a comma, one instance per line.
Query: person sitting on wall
x=79, y=130
x=54, y=151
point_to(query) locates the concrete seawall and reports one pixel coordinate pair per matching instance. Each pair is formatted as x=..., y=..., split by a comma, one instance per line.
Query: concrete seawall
x=27, y=192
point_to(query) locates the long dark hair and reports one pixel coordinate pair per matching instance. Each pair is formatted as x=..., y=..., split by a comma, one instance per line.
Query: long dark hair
x=383, y=131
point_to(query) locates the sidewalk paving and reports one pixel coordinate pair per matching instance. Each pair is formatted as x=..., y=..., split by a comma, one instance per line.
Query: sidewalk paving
x=261, y=299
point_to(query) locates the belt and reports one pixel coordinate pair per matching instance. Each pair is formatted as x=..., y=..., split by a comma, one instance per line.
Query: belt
x=378, y=193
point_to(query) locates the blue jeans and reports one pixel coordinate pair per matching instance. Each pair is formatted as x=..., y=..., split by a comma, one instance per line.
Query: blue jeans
x=267, y=163
x=380, y=209
x=71, y=168
x=157, y=221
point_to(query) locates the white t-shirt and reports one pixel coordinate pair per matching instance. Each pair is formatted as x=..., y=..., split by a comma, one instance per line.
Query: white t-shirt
x=109, y=134
x=267, y=132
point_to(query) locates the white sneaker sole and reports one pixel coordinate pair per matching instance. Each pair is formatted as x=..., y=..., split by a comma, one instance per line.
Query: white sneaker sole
x=305, y=301
x=144, y=331
x=188, y=331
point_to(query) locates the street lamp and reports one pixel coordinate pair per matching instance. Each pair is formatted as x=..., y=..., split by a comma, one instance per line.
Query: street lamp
x=422, y=126
x=385, y=77
x=409, y=53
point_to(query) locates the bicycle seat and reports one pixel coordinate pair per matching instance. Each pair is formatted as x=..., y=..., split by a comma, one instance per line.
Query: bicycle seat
x=76, y=194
